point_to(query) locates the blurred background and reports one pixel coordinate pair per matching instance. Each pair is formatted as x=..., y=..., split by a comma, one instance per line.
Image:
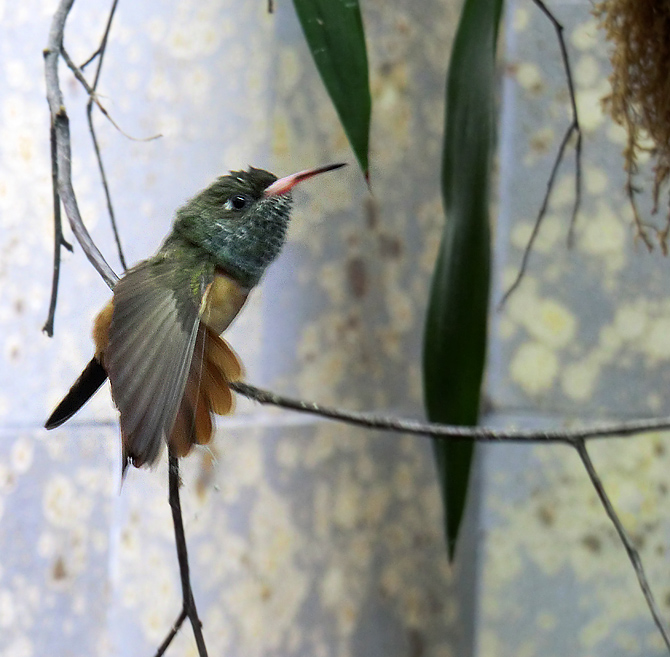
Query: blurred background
x=308, y=537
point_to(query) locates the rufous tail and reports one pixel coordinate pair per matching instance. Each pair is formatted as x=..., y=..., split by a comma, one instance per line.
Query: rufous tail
x=214, y=365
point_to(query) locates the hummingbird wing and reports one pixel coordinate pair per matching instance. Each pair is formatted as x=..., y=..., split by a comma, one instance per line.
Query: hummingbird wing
x=152, y=336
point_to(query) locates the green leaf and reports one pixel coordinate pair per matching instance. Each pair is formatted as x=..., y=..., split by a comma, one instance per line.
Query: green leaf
x=336, y=38
x=456, y=324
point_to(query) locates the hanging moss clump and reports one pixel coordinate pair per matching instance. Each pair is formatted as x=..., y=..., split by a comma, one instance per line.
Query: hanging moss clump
x=639, y=31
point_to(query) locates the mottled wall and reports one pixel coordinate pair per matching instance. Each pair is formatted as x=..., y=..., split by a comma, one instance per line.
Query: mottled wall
x=309, y=538
x=585, y=336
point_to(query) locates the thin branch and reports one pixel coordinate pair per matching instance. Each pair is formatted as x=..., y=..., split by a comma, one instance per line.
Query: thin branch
x=171, y=634
x=188, y=609
x=61, y=126
x=59, y=240
x=575, y=128
x=538, y=221
x=76, y=71
x=575, y=438
x=100, y=50
x=633, y=554
x=450, y=432
x=94, y=138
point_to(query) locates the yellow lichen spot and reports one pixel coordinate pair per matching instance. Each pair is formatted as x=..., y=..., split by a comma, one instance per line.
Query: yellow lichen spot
x=617, y=134
x=289, y=67
x=403, y=481
x=595, y=180
x=604, y=233
x=506, y=328
x=520, y=236
x=587, y=71
x=347, y=505
x=630, y=322
x=22, y=455
x=564, y=192
x=546, y=621
x=554, y=324
x=539, y=144
x=528, y=75
x=287, y=454
x=534, y=367
x=551, y=234
x=520, y=20
x=590, y=109
x=331, y=279
x=657, y=342
x=610, y=340
x=332, y=587
x=60, y=504
x=585, y=36
x=578, y=380
x=281, y=137
x=401, y=309
x=489, y=641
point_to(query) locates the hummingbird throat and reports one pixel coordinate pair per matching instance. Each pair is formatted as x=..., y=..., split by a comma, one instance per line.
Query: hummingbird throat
x=242, y=245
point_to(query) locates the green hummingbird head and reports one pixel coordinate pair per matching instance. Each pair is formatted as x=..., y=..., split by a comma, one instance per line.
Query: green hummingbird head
x=241, y=219
x=237, y=224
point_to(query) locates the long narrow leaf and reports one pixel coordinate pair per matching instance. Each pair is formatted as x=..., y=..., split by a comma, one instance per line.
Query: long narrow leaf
x=456, y=324
x=336, y=38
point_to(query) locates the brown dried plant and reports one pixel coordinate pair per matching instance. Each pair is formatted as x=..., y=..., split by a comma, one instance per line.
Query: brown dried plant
x=639, y=31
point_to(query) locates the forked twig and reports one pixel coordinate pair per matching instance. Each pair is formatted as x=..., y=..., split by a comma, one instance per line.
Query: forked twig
x=573, y=128
x=483, y=434
x=188, y=601
x=633, y=554
x=59, y=240
x=100, y=53
x=60, y=125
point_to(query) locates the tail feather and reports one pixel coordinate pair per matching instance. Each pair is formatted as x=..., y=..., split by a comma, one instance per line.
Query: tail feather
x=207, y=391
x=93, y=376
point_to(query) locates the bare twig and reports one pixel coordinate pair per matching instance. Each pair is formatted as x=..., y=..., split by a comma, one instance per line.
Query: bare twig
x=102, y=48
x=59, y=240
x=633, y=554
x=61, y=129
x=94, y=138
x=538, y=221
x=171, y=634
x=575, y=438
x=188, y=609
x=448, y=432
x=77, y=72
x=573, y=128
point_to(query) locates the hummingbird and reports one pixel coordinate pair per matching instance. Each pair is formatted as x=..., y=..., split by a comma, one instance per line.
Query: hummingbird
x=158, y=339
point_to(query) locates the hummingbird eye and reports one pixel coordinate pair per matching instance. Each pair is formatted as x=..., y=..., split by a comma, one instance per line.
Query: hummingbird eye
x=237, y=202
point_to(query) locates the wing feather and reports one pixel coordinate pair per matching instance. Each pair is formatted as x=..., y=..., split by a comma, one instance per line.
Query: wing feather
x=152, y=336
